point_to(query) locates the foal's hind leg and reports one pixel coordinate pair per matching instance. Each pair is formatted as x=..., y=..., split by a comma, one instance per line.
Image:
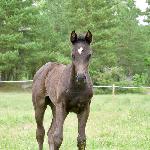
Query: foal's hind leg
x=51, y=130
x=39, y=115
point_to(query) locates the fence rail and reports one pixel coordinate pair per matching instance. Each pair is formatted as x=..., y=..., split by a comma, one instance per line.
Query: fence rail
x=25, y=85
x=123, y=87
x=95, y=86
x=25, y=81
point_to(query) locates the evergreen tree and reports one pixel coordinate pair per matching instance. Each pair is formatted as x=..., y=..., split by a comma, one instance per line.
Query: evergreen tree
x=130, y=39
x=18, y=19
x=147, y=41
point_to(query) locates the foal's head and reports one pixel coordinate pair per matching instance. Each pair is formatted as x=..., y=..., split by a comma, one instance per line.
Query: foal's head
x=81, y=54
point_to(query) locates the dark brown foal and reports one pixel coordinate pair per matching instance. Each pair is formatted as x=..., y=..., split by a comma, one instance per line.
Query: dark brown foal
x=65, y=89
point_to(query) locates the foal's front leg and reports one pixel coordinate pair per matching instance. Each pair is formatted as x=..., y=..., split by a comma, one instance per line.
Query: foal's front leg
x=56, y=138
x=82, y=119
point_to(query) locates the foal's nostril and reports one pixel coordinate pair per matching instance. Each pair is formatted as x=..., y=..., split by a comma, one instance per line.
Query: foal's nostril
x=84, y=77
x=81, y=78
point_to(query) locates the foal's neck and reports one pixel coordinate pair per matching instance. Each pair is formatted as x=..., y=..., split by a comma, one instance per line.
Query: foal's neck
x=73, y=82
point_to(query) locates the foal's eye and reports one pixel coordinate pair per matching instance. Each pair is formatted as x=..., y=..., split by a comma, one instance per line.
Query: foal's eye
x=73, y=56
x=89, y=56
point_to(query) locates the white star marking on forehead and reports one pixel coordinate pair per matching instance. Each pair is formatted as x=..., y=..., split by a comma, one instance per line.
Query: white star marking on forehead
x=80, y=50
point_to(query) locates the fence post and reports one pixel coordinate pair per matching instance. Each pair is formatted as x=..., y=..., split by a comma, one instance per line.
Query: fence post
x=113, y=89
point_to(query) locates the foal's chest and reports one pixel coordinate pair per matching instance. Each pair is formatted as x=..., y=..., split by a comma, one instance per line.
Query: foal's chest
x=76, y=102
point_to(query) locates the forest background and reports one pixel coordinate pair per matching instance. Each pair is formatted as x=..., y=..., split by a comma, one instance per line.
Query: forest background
x=33, y=33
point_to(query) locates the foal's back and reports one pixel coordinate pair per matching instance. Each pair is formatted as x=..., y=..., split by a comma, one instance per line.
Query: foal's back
x=46, y=79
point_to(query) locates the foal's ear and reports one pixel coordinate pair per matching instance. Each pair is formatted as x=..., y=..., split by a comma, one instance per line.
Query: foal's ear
x=88, y=37
x=73, y=37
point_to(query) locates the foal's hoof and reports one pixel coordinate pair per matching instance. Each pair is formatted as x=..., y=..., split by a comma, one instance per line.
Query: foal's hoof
x=82, y=145
x=82, y=148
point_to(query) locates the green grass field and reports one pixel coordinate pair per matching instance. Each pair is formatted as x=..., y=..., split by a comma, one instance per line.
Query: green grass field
x=118, y=123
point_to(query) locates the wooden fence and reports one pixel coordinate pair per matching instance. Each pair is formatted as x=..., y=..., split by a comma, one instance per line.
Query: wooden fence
x=28, y=83
x=121, y=87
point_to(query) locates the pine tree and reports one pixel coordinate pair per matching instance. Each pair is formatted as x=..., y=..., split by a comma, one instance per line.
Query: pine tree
x=147, y=41
x=18, y=19
x=130, y=39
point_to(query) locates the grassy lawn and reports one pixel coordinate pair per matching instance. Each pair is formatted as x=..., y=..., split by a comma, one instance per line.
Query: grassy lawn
x=119, y=123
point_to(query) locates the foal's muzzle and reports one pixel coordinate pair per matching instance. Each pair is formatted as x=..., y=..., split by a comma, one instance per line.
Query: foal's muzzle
x=81, y=78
